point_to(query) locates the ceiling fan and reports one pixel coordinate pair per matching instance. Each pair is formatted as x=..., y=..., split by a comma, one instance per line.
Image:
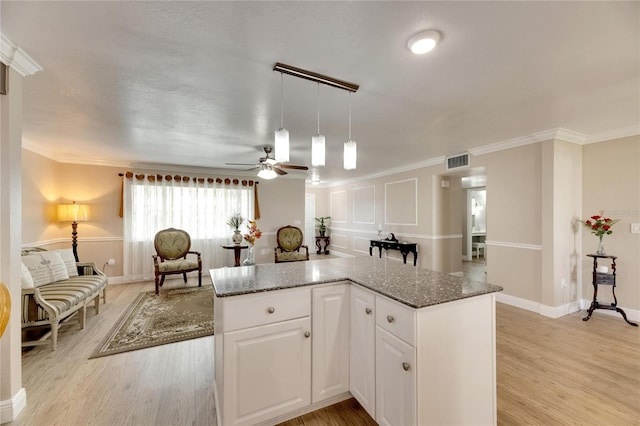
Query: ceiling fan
x=268, y=167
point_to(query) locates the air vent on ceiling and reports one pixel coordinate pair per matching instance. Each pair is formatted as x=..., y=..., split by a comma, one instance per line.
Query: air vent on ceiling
x=457, y=161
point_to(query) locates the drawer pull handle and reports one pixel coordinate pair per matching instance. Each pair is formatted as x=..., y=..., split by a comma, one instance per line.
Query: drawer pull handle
x=368, y=311
x=390, y=318
x=271, y=309
x=406, y=366
x=307, y=334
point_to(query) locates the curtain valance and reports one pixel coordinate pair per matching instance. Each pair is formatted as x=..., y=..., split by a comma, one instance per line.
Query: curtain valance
x=186, y=179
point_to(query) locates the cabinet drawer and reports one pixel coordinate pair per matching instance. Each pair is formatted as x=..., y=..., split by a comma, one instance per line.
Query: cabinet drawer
x=265, y=308
x=604, y=279
x=396, y=319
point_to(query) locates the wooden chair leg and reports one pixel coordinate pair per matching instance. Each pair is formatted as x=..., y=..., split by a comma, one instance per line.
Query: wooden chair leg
x=200, y=278
x=157, y=285
x=54, y=335
x=184, y=276
x=97, y=303
x=82, y=316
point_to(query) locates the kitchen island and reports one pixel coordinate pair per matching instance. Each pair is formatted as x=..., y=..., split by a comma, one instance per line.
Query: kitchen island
x=413, y=346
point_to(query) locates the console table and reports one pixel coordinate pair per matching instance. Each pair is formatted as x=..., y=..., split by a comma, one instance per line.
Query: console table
x=322, y=241
x=405, y=248
x=601, y=278
x=237, y=248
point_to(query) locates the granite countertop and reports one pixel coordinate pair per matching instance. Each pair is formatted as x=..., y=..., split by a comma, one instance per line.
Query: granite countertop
x=407, y=284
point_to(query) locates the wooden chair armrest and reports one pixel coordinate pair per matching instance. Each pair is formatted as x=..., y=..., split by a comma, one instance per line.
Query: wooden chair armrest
x=37, y=296
x=88, y=268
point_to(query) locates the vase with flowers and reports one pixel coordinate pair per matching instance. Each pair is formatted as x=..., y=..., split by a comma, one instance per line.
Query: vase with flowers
x=253, y=233
x=234, y=223
x=600, y=226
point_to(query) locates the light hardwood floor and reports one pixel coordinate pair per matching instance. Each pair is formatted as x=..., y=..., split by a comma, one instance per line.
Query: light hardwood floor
x=550, y=372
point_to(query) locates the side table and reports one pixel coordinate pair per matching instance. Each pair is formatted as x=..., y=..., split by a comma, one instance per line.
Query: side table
x=601, y=278
x=237, y=248
x=325, y=240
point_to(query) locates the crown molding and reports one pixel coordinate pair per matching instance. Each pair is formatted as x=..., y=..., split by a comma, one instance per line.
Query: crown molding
x=16, y=58
x=624, y=132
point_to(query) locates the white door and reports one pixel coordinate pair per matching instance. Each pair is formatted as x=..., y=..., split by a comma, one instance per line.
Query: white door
x=267, y=371
x=309, y=220
x=395, y=380
x=330, y=342
x=363, y=349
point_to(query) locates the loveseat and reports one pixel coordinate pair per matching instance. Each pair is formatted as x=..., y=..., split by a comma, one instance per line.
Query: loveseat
x=54, y=287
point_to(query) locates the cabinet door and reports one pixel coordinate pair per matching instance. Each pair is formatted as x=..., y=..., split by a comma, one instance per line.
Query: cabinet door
x=395, y=380
x=330, y=342
x=267, y=371
x=363, y=349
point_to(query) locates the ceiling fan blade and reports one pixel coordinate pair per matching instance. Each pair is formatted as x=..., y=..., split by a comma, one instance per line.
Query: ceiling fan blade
x=292, y=166
x=279, y=171
x=240, y=164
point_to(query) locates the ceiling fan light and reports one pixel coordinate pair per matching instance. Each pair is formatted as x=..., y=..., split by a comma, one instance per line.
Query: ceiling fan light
x=317, y=150
x=350, y=155
x=423, y=42
x=282, y=145
x=267, y=172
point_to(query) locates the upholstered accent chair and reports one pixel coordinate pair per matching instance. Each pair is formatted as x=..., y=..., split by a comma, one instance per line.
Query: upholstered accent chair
x=290, y=248
x=172, y=247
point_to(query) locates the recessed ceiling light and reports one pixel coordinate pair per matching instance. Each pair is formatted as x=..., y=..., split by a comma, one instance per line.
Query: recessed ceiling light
x=423, y=42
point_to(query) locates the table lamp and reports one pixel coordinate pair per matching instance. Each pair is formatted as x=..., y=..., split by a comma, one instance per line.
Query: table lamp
x=73, y=213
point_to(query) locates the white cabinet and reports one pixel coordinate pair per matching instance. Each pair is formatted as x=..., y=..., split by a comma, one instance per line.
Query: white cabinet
x=267, y=371
x=363, y=349
x=395, y=380
x=330, y=341
x=262, y=355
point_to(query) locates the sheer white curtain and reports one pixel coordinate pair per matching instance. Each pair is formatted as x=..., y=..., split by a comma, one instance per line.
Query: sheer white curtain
x=200, y=208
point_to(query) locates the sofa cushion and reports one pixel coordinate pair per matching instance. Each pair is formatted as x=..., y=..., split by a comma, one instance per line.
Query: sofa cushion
x=25, y=277
x=45, y=267
x=177, y=265
x=64, y=295
x=290, y=256
x=69, y=261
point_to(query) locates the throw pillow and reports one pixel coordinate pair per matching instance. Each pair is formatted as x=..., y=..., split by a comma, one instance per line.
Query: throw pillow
x=69, y=261
x=46, y=267
x=27, y=280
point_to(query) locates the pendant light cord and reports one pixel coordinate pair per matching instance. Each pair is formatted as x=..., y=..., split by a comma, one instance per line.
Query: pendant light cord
x=349, y=115
x=281, y=100
x=318, y=108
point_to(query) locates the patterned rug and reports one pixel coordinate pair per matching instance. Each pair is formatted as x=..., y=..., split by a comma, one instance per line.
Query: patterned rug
x=174, y=315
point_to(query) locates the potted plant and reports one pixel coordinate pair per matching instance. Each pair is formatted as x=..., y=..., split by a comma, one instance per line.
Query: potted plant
x=322, y=228
x=234, y=223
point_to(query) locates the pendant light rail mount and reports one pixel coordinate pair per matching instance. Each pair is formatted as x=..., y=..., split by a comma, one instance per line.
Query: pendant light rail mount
x=315, y=77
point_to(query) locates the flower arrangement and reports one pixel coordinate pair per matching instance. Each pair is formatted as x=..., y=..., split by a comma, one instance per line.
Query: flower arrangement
x=235, y=221
x=600, y=225
x=254, y=233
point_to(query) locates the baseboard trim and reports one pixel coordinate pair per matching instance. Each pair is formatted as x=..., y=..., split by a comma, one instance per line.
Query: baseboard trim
x=11, y=408
x=562, y=310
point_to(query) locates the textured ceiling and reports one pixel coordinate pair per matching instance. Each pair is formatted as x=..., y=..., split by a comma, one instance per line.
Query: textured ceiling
x=191, y=83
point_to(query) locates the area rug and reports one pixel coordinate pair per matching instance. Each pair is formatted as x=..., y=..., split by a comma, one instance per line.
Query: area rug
x=151, y=320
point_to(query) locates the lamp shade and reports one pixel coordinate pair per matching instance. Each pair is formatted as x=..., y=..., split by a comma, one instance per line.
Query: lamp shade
x=73, y=212
x=282, y=145
x=267, y=172
x=317, y=150
x=350, y=155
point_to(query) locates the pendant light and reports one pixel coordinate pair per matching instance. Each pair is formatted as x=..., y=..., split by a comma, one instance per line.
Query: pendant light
x=350, y=146
x=282, y=135
x=317, y=142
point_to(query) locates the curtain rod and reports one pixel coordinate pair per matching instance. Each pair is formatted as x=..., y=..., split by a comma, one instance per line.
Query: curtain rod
x=316, y=77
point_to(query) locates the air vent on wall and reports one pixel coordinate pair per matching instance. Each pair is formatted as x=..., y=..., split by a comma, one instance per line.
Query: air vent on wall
x=456, y=161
